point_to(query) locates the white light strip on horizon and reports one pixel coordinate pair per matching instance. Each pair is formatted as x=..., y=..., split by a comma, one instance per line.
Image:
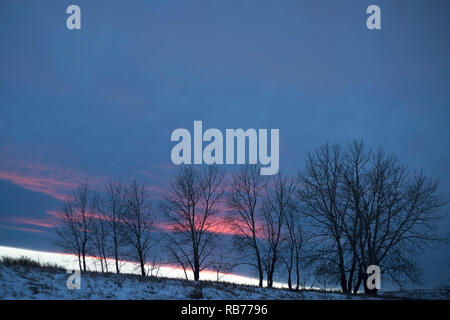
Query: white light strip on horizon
x=70, y=262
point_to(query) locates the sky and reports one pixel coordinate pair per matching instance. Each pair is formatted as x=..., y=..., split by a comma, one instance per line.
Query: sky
x=101, y=102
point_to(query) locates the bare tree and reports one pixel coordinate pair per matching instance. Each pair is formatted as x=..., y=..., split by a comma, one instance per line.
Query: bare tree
x=67, y=233
x=154, y=267
x=221, y=262
x=246, y=190
x=356, y=162
x=323, y=207
x=366, y=209
x=279, y=202
x=191, y=206
x=398, y=217
x=138, y=222
x=294, y=240
x=100, y=241
x=77, y=221
x=113, y=209
x=177, y=257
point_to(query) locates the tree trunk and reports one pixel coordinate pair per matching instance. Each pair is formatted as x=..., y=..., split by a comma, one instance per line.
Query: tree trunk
x=83, y=253
x=290, y=279
x=260, y=268
x=272, y=271
x=79, y=261
x=196, y=274
x=342, y=268
x=142, y=267
x=196, y=265
x=350, y=277
x=141, y=261
x=116, y=255
x=358, y=282
x=269, y=279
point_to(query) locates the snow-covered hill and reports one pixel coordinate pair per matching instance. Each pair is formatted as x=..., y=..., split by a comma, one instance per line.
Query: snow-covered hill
x=32, y=282
x=25, y=278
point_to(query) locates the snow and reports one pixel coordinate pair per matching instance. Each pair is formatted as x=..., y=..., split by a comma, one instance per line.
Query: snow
x=70, y=262
x=23, y=282
x=26, y=282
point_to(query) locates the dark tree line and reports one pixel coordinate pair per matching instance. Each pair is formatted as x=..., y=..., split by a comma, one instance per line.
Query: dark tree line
x=117, y=225
x=77, y=220
x=349, y=208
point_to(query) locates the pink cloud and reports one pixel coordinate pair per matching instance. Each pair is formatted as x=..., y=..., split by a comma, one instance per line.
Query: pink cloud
x=51, y=180
x=217, y=225
x=45, y=223
x=23, y=229
x=35, y=222
x=50, y=186
x=54, y=213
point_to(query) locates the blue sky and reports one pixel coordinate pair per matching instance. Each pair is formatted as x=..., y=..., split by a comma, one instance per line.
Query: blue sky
x=102, y=102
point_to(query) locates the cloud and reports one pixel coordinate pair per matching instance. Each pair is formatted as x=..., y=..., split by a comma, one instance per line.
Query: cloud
x=51, y=180
x=217, y=225
x=50, y=186
x=54, y=213
x=23, y=229
x=44, y=223
x=28, y=224
x=59, y=183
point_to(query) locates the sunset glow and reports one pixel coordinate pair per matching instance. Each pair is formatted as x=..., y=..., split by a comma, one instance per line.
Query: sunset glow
x=70, y=262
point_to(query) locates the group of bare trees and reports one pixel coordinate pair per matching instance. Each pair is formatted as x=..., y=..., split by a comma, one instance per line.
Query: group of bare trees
x=117, y=225
x=73, y=234
x=348, y=209
x=266, y=222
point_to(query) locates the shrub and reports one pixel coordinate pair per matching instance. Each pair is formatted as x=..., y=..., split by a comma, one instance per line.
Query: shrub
x=28, y=262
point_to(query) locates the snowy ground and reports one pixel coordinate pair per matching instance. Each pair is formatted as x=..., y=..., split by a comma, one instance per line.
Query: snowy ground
x=422, y=294
x=30, y=281
x=25, y=282
x=70, y=262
